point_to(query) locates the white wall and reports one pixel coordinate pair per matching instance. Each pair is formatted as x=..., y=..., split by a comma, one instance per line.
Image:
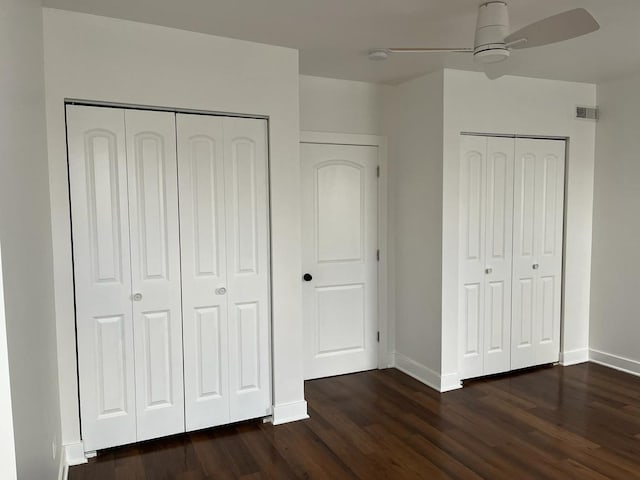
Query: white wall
x=414, y=118
x=518, y=105
x=97, y=58
x=615, y=328
x=25, y=235
x=343, y=106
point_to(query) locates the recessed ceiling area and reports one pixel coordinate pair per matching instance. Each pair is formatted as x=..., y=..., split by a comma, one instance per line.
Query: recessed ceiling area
x=335, y=36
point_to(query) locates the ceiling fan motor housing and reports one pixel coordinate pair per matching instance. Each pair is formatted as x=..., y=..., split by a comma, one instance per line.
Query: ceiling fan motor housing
x=491, y=30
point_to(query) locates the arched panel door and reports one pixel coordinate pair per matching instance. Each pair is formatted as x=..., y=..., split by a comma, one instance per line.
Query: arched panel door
x=102, y=275
x=339, y=205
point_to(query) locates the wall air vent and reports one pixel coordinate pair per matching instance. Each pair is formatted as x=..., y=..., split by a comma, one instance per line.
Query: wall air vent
x=588, y=113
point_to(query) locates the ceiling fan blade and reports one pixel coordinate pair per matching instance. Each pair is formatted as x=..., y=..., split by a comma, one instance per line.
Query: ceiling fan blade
x=430, y=50
x=494, y=71
x=564, y=26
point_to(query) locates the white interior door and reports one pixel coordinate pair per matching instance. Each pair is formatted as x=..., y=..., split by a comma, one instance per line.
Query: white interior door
x=486, y=216
x=247, y=233
x=102, y=271
x=155, y=272
x=538, y=240
x=339, y=235
x=204, y=270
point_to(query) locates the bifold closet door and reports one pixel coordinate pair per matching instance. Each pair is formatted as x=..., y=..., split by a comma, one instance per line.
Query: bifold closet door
x=124, y=205
x=102, y=275
x=486, y=199
x=225, y=272
x=538, y=240
x=155, y=272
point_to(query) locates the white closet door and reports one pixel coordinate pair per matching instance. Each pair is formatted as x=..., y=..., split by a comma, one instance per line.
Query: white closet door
x=102, y=271
x=340, y=239
x=486, y=216
x=498, y=255
x=204, y=270
x=538, y=238
x=473, y=179
x=246, y=205
x=155, y=272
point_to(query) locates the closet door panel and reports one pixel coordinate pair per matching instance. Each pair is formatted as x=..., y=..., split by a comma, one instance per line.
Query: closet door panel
x=538, y=237
x=498, y=255
x=549, y=250
x=473, y=179
x=204, y=270
x=245, y=165
x=102, y=274
x=155, y=272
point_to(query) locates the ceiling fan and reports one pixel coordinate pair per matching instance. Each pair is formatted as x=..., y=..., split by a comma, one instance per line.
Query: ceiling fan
x=493, y=43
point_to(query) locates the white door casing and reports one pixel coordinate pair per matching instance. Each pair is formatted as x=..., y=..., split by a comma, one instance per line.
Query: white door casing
x=102, y=274
x=155, y=272
x=339, y=235
x=486, y=199
x=538, y=241
x=224, y=226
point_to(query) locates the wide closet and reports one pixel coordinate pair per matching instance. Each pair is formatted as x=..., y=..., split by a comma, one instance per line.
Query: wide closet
x=510, y=261
x=171, y=271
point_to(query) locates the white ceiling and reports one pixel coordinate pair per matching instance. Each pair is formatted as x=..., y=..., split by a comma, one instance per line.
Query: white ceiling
x=334, y=36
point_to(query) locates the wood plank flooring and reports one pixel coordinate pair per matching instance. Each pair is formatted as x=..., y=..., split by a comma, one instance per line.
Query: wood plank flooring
x=580, y=422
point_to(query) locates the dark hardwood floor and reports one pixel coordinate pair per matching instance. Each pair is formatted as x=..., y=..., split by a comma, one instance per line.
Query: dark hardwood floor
x=579, y=422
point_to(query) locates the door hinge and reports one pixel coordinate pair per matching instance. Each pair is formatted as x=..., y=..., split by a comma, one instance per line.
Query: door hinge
x=378, y=171
x=378, y=337
x=378, y=255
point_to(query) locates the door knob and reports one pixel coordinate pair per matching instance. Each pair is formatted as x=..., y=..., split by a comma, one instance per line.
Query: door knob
x=307, y=277
x=137, y=297
x=536, y=266
x=221, y=291
x=488, y=270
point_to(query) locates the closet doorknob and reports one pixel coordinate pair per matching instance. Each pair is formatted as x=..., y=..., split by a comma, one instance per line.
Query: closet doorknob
x=488, y=270
x=536, y=266
x=221, y=291
x=137, y=297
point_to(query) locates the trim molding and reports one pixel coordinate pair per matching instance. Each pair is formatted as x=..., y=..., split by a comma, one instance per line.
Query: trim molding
x=424, y=374
x=449, y=382
x=63, y=469
x=289, y=412
x=616, y=362
x=574, y=357
x=74, y=454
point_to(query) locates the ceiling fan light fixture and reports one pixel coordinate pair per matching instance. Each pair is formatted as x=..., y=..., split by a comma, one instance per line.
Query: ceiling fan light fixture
x=492, y=55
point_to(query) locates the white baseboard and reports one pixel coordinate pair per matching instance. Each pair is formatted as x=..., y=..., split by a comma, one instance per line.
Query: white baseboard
x=425, y=375
x=74, y=454
x=449, y=382
x=289, y=412
x=574, y=357
x=616, y=362
x=63, y=470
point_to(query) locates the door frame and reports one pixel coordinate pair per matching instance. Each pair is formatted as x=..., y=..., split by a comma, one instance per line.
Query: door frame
x=567, y=142
x=384, y=294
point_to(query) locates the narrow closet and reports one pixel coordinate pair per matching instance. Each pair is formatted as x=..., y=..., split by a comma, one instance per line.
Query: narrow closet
x=510, y=261
x=171, y=271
